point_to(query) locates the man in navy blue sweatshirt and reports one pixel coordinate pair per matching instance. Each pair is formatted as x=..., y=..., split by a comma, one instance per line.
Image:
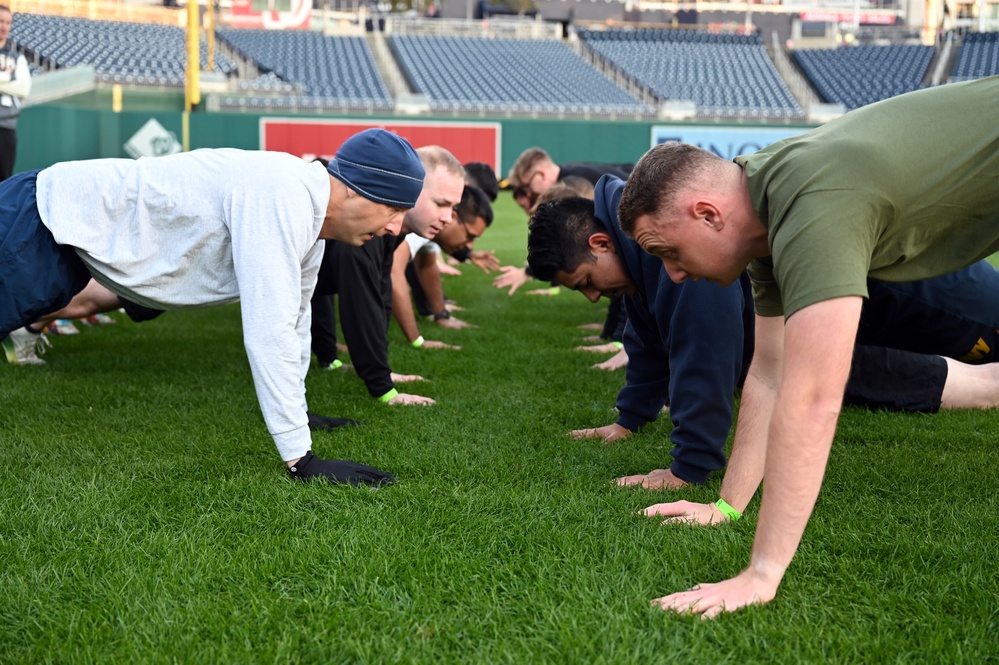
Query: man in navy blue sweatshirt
x=689, y=344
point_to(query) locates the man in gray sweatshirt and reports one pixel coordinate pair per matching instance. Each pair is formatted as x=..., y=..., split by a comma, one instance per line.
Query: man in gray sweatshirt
x=209, y=227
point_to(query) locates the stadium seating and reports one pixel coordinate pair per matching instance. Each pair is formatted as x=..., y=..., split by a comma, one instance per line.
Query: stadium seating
x=979, y=57
x=119, y=52
x=724, y=75
x=333, y=72
x=470, y=75
x=859, y=75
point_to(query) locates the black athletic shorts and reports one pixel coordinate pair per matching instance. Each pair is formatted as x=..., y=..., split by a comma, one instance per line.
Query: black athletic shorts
x=882, y=378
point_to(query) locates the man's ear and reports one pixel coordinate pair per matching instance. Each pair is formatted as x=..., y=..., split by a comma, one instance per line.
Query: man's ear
x=708, y=213
x=601, y=243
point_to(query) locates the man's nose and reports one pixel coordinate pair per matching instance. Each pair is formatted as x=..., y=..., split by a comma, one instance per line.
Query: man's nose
x=675, y=274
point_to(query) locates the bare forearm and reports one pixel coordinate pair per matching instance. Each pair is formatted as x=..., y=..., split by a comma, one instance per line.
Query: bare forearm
x=802, y=426
x=749, y=446
x=402, y=309
x=801, y=436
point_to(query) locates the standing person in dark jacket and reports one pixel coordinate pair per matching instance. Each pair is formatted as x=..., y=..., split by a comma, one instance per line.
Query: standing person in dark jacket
x=581, y=245
x=15, y=85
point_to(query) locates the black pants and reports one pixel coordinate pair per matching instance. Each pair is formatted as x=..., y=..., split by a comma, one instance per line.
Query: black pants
x=8, y=151
x=419, y=295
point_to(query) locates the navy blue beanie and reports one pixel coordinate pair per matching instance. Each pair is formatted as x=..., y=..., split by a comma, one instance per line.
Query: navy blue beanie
x=380, y=166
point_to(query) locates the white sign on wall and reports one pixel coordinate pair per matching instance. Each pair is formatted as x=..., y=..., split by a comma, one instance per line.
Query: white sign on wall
x=152, y=140
x=726, y=142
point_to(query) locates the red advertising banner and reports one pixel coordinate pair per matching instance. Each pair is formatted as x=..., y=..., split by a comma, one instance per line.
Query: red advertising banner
x=298, y=18
x=308, y=139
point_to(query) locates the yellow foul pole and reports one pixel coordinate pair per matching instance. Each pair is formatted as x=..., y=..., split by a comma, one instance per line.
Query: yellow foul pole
x=192, y=88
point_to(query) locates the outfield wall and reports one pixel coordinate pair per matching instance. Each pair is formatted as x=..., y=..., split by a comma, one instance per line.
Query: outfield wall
x=49, y=133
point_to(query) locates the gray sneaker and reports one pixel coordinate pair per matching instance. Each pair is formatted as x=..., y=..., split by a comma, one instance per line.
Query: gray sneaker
x=23, y=347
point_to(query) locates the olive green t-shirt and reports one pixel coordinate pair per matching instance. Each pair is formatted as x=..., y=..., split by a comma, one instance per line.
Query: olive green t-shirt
x=901, y=190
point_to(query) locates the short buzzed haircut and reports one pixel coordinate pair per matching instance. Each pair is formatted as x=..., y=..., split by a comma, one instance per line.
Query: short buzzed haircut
x=580, y=185
x=482, y=176
x=434, y=156
x=474, y=203
x=557, y=191
x=525, y=163
x=558, y=236
x=659, y=176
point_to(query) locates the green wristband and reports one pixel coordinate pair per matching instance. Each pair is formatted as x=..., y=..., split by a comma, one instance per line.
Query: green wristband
x=336, y=364
x=618, y=345
x=418, y=342
x=389, y=396
x=727, y=510
x=555, y=290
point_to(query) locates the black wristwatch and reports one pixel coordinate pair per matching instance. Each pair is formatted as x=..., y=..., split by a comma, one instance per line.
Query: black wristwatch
x=443, y=314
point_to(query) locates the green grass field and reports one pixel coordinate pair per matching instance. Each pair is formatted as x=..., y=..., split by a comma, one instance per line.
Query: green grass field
x=145, y=515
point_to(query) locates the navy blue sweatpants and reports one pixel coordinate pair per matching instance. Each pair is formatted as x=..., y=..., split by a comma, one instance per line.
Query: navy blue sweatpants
x=37, y=276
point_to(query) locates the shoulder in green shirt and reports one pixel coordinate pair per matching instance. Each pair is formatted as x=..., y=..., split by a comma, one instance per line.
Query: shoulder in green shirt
x=901, y=190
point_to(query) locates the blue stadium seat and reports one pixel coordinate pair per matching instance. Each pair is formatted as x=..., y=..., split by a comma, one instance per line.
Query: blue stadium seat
x=334, y=72
x=724, y=75
x=978, y=58
x=119, y=52
x=507, y=75
x=859, y=75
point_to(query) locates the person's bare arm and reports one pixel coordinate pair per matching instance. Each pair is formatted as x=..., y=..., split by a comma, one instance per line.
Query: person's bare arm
x=93, y=299
x=402, y=306
x=749, y=445
x=818, y=346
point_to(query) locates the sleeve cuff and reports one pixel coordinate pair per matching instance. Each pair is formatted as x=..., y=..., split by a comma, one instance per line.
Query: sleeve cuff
x=630, y=421
x=294, y=444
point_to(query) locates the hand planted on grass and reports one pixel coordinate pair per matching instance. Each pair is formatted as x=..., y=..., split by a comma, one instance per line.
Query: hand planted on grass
x=609, y=347
x=446, y=269
x=434, y=344
x=486, y=261
x=658, y=479
x=511, y=277
x=609, y=433
x=614, y=363
x=405, y=378
x=405, y=399
x=687, y=512
x=591, y=326
x=454, y=324
x=710, y=600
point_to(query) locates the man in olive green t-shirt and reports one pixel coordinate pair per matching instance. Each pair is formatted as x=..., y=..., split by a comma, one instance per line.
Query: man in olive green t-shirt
x=901, y=190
